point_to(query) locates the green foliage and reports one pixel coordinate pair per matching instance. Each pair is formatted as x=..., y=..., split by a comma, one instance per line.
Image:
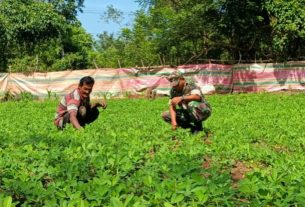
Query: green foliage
x=37, y=34
x=132, y=158
x=113, y=14
x=190, y=31
x=46, y=35
x=25, y=25
x=25, y=96
x=287, y=20
x=57, y=54
x=6, y=201
x=25, y=64
x=30, y=22
x=67, y=8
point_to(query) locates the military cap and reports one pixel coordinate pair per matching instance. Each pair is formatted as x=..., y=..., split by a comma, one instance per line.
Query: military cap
x=174, y=78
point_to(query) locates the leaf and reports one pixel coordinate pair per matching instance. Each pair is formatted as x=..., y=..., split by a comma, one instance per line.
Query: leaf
x=148, y=180
x=115, y=202
x=177, y=198
x=82, y=203
x=202, y=197
x=7, y=202
x=167, y=204
x=128, y=199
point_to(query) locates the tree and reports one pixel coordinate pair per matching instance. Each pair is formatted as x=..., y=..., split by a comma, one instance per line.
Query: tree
x=67, y=8
x=41, y=35
x=287, y=19
x=244, y=30
x=26, y=24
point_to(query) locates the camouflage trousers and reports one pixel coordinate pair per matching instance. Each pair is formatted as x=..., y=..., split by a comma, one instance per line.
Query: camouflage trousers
x=195, y=113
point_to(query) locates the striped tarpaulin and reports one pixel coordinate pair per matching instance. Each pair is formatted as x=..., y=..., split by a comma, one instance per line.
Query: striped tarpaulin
x=269, y=77
x=212, y=78
x=3, y=82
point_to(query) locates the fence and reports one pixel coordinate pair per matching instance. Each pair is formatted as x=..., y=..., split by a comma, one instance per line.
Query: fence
x=212, y=78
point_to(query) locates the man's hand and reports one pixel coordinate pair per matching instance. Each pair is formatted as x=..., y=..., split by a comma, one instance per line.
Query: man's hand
x=102, y=104
x=176, y=100
x=74, y=120
x=172, y=111
x=174, y=126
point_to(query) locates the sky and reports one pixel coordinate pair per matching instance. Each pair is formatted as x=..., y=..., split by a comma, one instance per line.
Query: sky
x=94, y=9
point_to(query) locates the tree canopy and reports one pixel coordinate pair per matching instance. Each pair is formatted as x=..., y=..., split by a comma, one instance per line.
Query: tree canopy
x=46, y=35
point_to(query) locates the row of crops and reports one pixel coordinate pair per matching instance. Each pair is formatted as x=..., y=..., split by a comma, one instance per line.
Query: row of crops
x=251, y=154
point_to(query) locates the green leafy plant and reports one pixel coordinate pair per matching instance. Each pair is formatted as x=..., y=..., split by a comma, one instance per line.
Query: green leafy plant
x=130, y=157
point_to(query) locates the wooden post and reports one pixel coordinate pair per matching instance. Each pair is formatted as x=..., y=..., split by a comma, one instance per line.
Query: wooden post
x=37, y=61
x=96, y=67
x=160, y=59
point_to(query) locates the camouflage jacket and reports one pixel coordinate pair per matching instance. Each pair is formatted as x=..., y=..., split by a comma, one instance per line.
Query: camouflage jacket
x=189, y=89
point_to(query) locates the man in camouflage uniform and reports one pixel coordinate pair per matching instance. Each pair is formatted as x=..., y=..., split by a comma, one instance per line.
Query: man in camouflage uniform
x=193, y=107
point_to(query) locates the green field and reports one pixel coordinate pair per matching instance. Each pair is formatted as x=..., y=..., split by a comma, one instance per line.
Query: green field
x=252, y=154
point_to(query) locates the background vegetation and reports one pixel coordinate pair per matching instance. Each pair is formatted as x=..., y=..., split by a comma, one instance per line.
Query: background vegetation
x=45, y=35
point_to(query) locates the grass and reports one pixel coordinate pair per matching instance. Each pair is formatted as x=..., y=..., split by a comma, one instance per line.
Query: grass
x=252, y=154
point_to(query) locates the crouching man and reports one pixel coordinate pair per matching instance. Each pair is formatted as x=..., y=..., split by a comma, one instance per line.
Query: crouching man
x=187, y=106
x=75, y=107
